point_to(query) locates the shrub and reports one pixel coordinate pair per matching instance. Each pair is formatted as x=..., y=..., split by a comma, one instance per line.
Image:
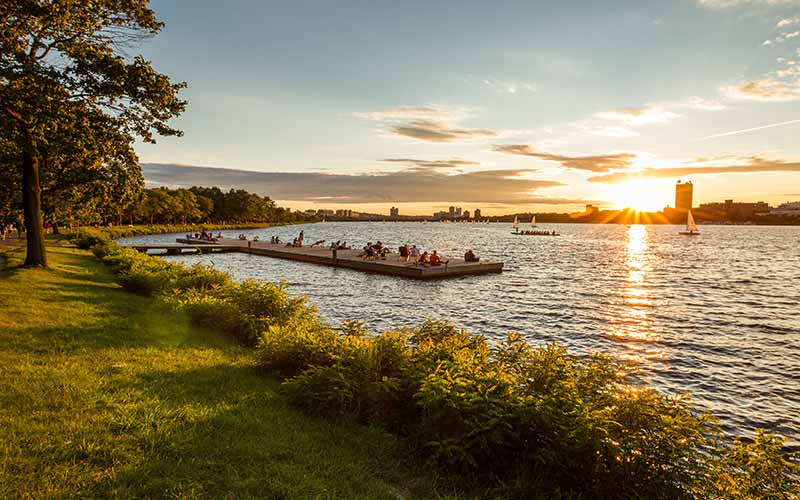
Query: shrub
x=88, y=240
x=363, y=378
x=535, y=420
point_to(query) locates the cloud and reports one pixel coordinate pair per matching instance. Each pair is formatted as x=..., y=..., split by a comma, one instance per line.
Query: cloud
x=414, y=164
x=432, y=112
x=782, y=37
x=723, y=4
x=766, y=90
x=508, y=187
x=636, y=117
x=427, y=123
x=783, y=23
x=592, y=163
x=431, y=131
x=509, y=87
x=701, y=104
x=745, y=165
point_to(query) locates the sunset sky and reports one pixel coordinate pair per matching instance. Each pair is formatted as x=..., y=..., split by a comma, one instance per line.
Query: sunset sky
x=506, y=106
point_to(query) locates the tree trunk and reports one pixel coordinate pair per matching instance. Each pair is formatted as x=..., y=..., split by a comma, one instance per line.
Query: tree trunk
x=32, y=205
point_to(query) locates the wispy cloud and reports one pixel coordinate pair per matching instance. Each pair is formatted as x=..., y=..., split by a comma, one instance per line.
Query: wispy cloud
x=766, y=90
x=751, y=129
x=444, y=165
x=591, y=163
x=636, y=117
x=722, y=4
x=431, y=131
x=740, y=166
x=784, y=23
x=431, y=112
x=508, y=87
x=509, y=187
x=427, y=123
x=782, y=37
x=625, y=122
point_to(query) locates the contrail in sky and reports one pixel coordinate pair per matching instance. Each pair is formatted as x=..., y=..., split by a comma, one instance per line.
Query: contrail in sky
x=749, y=129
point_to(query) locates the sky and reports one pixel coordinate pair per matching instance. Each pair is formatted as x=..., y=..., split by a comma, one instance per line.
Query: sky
x=504, y=106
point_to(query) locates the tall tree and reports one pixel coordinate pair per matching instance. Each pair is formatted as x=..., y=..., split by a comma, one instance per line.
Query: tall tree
x=63, y=63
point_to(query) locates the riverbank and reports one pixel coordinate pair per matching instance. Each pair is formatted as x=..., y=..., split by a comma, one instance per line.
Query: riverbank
x=110, y=394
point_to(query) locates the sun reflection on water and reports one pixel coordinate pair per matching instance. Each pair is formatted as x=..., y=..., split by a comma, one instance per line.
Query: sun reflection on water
x=633, y=326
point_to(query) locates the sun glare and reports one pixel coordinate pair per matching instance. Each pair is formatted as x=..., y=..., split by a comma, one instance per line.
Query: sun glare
x=643, y=196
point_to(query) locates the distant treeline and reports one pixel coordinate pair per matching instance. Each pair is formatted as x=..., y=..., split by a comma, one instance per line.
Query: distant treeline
x=205, y=204
x=157, y=206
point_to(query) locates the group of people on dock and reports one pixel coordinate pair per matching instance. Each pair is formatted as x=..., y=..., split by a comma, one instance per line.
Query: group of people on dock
x=374, y=251
x=378, y=250
x=338, y=245
x=204, y=236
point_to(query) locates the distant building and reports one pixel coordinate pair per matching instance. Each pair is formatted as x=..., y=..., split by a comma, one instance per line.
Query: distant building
x=441, y=215
x=787, y=209
x=465, y=214
x=683, y=196
x=342, y=212
x=310, y=211
x=458, y=211
x=732, y=208
x=394, y=212
x=477, y=214
x=324, y=212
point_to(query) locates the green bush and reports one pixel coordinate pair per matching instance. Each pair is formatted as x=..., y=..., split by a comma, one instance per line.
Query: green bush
x=88, y=240
x=534, y=420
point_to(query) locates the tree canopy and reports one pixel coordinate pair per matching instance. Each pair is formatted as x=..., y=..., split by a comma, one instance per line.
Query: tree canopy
x=72, y=101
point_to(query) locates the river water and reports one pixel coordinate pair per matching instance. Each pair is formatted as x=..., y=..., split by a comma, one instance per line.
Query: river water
x=717, y=315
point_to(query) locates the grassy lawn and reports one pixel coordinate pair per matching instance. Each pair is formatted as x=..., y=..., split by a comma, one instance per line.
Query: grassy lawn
x=107, y=394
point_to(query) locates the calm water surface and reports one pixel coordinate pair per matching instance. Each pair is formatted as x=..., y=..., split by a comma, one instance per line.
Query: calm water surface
x=716, y=315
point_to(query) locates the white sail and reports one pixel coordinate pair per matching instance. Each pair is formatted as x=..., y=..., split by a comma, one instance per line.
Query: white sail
x=533, y=221
x=516, y=222
x=690, y=225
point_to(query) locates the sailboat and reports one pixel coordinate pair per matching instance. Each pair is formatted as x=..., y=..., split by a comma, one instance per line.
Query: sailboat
x=533, y=221
x=515, y=225
x=691, y=227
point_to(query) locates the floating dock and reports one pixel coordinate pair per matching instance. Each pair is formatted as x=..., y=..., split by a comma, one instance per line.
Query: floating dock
x=324, y=256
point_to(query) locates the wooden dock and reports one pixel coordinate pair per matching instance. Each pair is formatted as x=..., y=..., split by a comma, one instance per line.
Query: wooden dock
x=326, y=257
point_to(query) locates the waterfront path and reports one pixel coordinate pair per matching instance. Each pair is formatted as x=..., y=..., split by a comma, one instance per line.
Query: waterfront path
x=324, y=256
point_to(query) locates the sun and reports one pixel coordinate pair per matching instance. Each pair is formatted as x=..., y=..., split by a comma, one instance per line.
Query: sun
x=643, y=196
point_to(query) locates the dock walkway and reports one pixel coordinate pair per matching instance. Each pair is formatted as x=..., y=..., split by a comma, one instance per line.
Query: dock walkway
x=326, y=257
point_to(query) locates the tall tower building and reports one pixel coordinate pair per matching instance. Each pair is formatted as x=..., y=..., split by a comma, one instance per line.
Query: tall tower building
x=477, y=213
x=394, y=212
x=683, y=196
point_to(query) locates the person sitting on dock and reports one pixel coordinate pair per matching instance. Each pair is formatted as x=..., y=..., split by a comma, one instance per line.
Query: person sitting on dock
x=369, y=251
x=403, y=253
x=257, y=238
x=343, y=246
x=423, y=259
x=470, y=256
x=318, y=242
x=435, y=260
x=219, y=236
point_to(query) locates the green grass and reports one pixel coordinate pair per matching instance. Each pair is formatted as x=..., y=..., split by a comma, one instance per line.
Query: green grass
x=108, y=394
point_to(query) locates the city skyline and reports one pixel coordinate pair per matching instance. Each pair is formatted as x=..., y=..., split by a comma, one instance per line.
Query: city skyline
x=556, y=107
